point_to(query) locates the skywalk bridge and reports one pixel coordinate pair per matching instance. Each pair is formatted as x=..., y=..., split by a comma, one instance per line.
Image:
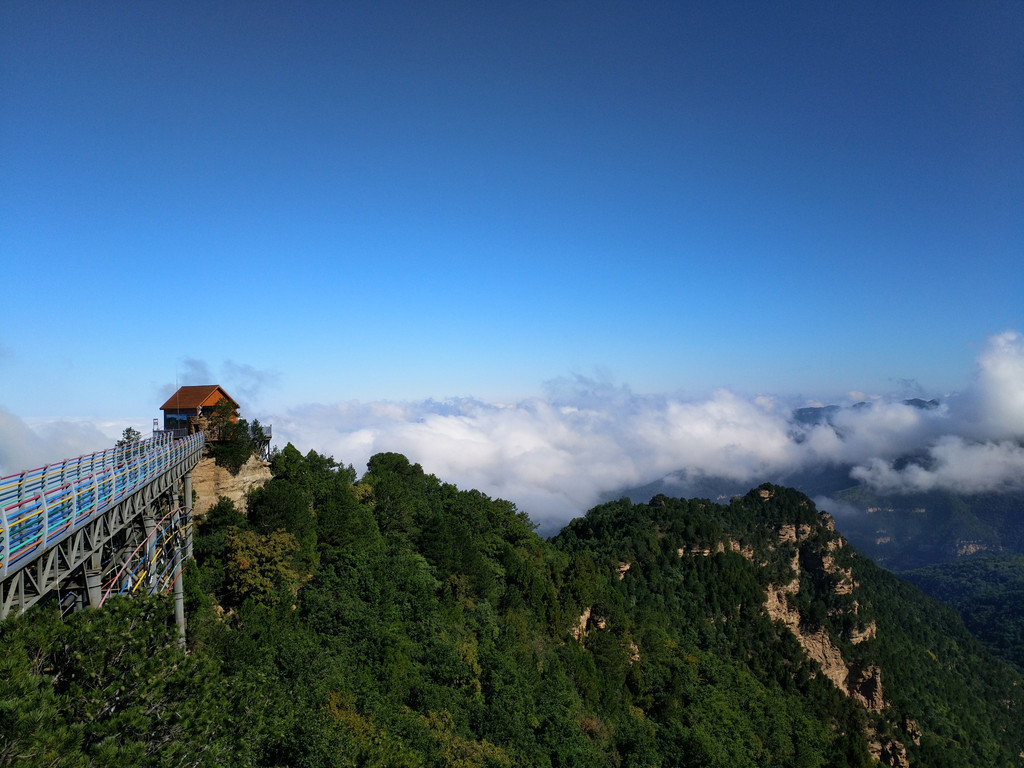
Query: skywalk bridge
x=106, y=523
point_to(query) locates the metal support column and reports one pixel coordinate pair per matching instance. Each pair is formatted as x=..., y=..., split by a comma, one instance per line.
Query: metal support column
x=189, y=519
x=179, y=600
x=94, y=586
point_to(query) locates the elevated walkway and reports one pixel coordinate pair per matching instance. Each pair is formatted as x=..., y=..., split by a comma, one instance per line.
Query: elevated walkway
x=108, y=522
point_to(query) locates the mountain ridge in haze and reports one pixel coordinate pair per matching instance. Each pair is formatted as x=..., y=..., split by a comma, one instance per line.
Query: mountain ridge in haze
x=900, y=531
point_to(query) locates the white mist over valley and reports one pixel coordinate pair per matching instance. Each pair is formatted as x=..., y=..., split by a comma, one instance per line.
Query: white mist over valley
x=558, y=454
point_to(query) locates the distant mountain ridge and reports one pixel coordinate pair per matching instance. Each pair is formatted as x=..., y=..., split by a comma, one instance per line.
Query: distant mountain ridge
x=899, y=531
x=930, y=537
x=823, y=414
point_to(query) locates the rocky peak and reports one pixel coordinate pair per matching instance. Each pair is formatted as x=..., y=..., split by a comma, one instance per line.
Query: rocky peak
x=821, y=554
x=210, y=482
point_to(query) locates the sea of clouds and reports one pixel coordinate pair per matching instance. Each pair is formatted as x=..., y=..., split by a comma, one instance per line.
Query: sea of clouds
x=558, y=454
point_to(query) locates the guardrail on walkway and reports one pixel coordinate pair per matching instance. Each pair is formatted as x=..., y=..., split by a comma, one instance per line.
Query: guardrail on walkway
x=41, y=507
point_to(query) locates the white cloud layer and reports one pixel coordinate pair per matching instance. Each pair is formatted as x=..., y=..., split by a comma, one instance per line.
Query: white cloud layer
x=556, y=455
x=27, y=446
x=954, y=464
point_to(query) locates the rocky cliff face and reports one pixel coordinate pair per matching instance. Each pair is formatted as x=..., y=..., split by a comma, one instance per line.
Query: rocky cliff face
x=210, y=482
x=818, y=549
x=864, y=685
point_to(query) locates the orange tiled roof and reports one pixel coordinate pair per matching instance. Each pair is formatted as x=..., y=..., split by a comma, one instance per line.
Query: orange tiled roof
x=194, y=397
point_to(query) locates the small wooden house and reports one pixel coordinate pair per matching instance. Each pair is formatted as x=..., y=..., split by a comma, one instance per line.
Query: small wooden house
x=191, y=407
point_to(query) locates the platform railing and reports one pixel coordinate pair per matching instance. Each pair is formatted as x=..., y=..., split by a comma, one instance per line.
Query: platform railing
x=40, y=507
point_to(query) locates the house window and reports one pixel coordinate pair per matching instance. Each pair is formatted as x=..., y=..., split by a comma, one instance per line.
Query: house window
x=175, y=421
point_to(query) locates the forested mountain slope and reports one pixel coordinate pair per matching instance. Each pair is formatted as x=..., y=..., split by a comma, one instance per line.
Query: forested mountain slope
x=907, y=531
x=921, y=679
x=988, y=593
x=401, y=621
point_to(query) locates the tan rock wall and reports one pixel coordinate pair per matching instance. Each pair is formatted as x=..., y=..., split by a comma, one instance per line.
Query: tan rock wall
x=816, y=644
x=863, y=685
x=210, y=482
x=579, y=630
x=858, y=636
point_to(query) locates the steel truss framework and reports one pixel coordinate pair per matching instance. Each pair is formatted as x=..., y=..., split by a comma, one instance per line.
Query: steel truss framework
x=150, y=560
x=96, y=559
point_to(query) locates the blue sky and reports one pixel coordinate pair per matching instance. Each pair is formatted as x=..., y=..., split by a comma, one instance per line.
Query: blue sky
x=319, y=203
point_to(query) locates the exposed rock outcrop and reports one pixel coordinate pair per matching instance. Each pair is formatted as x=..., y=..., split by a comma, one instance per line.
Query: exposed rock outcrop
x=791, y=534
x=816, y=643
x=579, y=629
x=858, y=636
x=864, y=685
x=965, y=548
x=887, y=751
x=210, y=482
x=587, y=621
x=845, y=583
x=744, y=549
x=702, y=551
x=914, y=730
x=634, y=652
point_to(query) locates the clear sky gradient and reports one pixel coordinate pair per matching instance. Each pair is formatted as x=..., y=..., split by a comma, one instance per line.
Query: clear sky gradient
x=314, y=202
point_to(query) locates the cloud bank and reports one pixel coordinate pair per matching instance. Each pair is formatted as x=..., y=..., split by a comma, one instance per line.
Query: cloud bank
x=27, y=446
x=557, y=455
x=984, y=448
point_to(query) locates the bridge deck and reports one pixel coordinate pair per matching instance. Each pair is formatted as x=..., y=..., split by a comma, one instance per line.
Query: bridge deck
x=53, y=518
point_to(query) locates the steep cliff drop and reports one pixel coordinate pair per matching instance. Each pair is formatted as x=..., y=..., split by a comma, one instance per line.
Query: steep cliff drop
x=210, y=482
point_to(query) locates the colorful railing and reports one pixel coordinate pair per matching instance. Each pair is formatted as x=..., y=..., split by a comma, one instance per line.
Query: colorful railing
x=40, y=507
